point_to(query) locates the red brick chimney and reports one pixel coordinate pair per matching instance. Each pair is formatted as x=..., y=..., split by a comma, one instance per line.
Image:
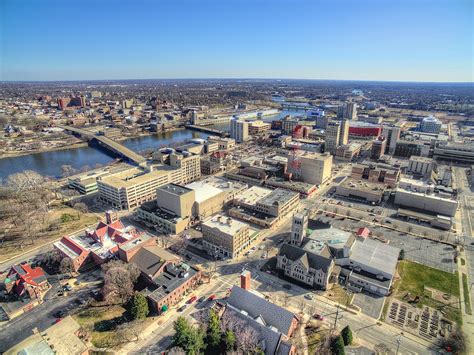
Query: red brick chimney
x=245, y=278
x=110, y=216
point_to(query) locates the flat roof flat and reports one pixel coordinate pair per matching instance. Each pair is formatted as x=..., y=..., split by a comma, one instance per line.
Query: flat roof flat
x=252, y=195
x=175, y=189
x=333, y=237
x=375, y=254
x=203, y=190
x=221, y=223
x=278, y=196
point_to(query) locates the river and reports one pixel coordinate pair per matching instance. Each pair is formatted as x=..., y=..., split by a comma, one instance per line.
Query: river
x=50, y=163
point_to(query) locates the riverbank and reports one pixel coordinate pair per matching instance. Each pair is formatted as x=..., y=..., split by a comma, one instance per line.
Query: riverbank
x=5, y=155
x=42, y=150
x=49, y=162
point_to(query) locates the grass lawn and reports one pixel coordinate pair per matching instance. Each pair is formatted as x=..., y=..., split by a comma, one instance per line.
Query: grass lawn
x=414, y=277
x=85, y=219
x=466, y=294
x=339, y=295
x=98, y=321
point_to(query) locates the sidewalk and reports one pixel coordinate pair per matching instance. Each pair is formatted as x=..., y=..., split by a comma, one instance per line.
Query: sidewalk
x=468, y=319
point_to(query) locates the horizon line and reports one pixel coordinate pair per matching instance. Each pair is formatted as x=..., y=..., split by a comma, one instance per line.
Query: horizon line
x=238, y=78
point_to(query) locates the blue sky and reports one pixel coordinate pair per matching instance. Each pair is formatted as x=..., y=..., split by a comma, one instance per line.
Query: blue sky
x=403, y=40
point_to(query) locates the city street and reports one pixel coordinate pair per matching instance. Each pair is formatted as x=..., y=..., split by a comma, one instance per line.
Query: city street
x=41, y=316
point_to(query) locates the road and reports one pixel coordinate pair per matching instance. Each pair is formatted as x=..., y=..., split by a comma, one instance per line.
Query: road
x=466, y=196
x=41, y=317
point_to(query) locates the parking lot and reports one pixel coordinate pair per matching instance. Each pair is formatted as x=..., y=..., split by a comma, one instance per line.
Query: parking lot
x=418, y=249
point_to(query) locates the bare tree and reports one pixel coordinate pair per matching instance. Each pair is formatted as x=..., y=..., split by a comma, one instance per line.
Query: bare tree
x=119, y=280
x=52, y=257
x=246, y=336
x=66, y=266
x=67, y=170
x=81, y=207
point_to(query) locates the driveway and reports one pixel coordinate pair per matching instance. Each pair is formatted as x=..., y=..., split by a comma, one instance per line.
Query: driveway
x=369, y=304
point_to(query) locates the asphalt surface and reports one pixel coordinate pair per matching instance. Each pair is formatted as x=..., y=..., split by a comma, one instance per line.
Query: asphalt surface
x=41, y=317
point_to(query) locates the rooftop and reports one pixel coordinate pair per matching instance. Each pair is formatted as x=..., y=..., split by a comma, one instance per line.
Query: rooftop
x=171, y=279
x=203, y=190
x=136, y=176
x=225, y=224
x=151, y=258
x=175, y=189
x=152, y=207
x=252, y=195
x=375, y=254
x=256, y=306
x=333, y=237
x=278, y=196
x=363, y=185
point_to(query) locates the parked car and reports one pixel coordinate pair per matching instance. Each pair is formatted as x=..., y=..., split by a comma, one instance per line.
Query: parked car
x=287, y=286
x=67, y=287
x=202, y=299
x=319, y=317
x=212, y=297
x=308, y=296
x=192, y=299
x=182, y=308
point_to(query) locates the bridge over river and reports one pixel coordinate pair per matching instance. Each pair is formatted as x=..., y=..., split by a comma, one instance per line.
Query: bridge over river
x=108, y=144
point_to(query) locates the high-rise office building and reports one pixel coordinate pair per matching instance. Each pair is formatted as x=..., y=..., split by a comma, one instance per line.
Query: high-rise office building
x=332, y=136
x=378, y=147
x=347, y=111
x=392, y=135
x=316, y=167
x=239, y=130
x=344, y=134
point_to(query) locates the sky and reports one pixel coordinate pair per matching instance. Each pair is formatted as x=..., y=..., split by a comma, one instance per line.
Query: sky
x=399, y=40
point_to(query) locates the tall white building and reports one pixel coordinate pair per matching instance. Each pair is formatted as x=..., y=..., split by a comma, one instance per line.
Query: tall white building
x=347, y=111
x=239, y=130
x=344, y=134
x=430, y=124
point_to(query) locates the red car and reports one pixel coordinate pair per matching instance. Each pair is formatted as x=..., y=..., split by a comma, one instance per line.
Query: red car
x=192, y=299
x=212, y=297
x=319, y=317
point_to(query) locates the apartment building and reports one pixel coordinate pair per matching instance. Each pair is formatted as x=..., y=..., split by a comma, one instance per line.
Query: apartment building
x=239, y=130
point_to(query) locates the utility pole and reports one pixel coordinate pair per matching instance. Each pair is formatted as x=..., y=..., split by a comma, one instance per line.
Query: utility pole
x=337, y=314
x=399, y=340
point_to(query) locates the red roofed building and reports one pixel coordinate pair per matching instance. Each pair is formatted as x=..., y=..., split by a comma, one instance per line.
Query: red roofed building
x=102, y=243
x=24, y=280
x=363, y=232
